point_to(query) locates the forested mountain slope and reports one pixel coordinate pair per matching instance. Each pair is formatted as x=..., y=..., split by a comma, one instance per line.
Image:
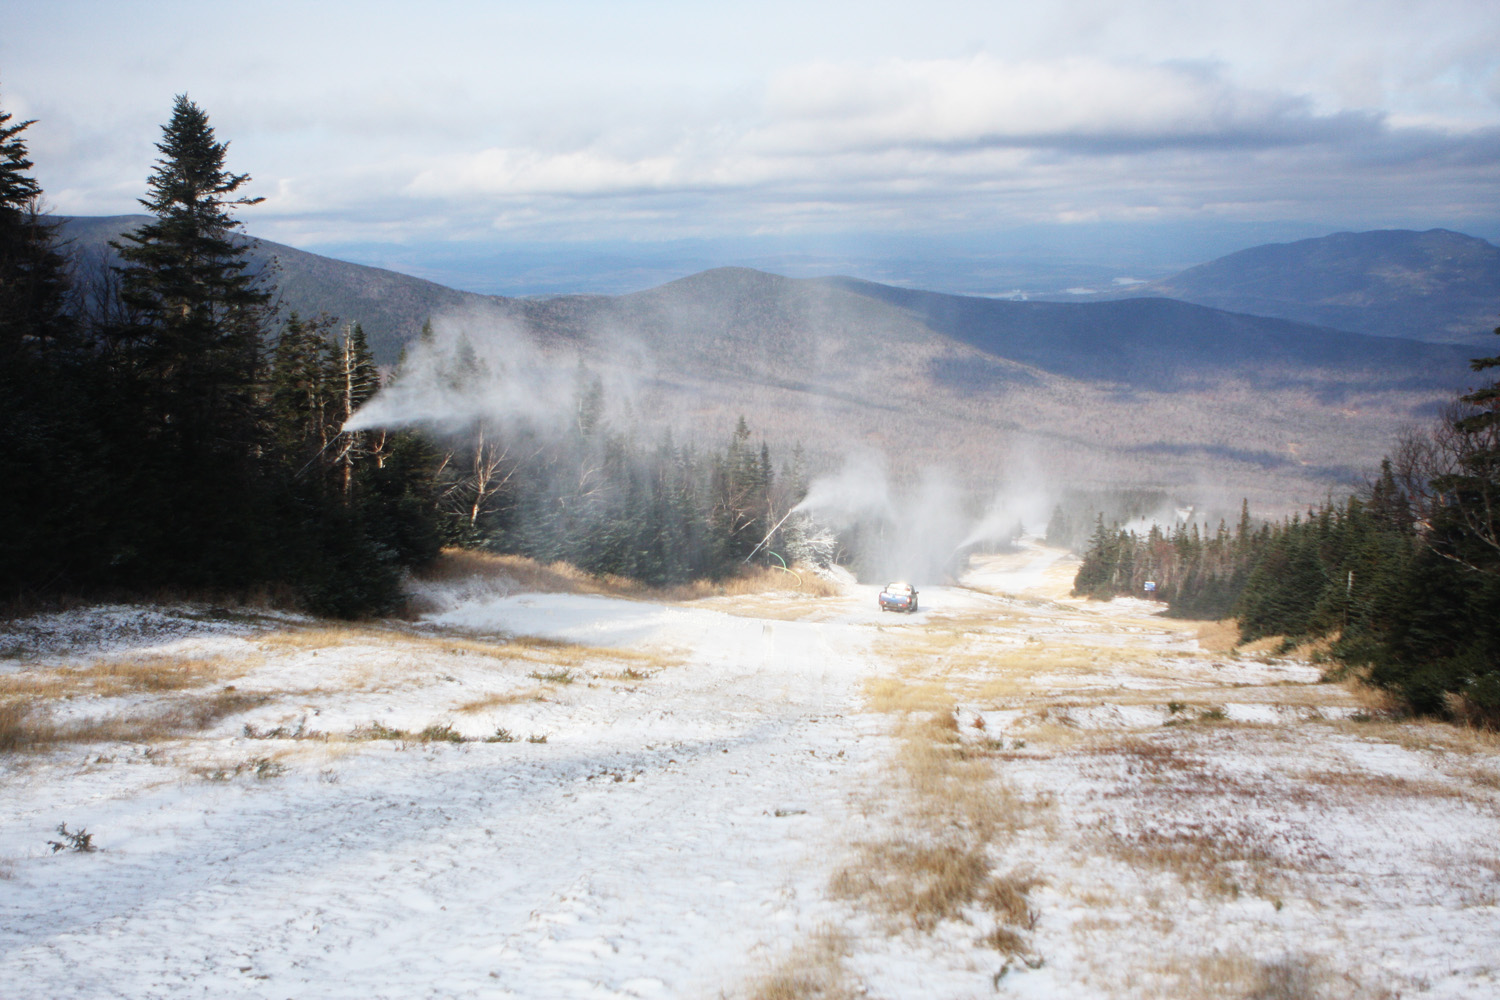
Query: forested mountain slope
x=1436, y=285
x=1162, y=344
x=1140, y=391
x=1133, y=391
x=391, y=306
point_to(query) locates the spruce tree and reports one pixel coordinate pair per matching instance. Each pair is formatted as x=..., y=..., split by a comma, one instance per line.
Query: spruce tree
x=192, y=358
x=197, y=342
x=33, y=274
x=49, y=464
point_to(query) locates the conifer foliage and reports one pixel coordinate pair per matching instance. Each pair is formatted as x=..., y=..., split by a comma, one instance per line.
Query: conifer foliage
x=45, y=383
x=169, y=437
x=1404, y=578
x=176, y=434
x=199, y=317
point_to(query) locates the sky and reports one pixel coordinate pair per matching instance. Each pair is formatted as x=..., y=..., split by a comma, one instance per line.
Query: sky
x=447, y=134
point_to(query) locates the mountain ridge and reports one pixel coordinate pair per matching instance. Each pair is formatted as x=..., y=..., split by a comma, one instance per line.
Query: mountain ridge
x=1140, y=391
x=1435, y=285
x=391, y=306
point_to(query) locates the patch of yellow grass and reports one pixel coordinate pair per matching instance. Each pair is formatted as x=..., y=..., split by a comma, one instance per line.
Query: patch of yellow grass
x=18, y=728
x=1219, y=637
x=25, y=725
x=529, y=576
x=1055, y=735
x=1375, y=701
x=1425, y=735
x=1264, y=646
x=529, y=649
x=936, y=866
x=499, y=698
x=921, y=883
x=813, y=971
x=890, y=694
x=1216, y=976
x=111, y=677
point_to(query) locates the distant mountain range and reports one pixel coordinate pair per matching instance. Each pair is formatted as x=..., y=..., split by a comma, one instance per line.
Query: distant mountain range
x=1435, y=286
x=1138, y=391
x=391, y=306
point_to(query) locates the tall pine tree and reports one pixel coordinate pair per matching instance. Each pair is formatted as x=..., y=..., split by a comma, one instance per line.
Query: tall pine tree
x=191, y=355
x=48, y=453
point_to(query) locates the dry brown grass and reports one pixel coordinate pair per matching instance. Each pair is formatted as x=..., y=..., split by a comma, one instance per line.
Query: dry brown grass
x=890, y=694
x=1482, y=777
x=1368, y=784
x=524, y=575
x=1264, y=647
x=26, y=726
x=1008, y=897
x=1468, y=713
x=1189, y=834
x=813, y=971
x=528, y=649
x=924, y=884
x=1224, y=637
x=992, y=673
x=1231, y=975
x=125, y=675
x=1226, y=857
x=755, y=580
x=950, y=810
x=17, y=728
x=1219, y=637
x=1424, y=734
x=499, y=698
x=1376, y=702
x=953, y=809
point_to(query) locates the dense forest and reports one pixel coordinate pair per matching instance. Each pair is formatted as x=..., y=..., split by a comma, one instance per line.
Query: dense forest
x=169, y=431
x=1402, y=579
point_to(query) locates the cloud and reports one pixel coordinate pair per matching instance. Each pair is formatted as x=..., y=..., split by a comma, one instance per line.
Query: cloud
x=580, y=173
x=641, y=122
x=1073, y=103
x=903, y=142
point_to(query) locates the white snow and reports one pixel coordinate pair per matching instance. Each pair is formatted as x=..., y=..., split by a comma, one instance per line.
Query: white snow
x=703, y=773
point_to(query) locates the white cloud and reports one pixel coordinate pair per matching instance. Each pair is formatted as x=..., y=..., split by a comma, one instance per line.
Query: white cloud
x=984, y=101
x=666, y=119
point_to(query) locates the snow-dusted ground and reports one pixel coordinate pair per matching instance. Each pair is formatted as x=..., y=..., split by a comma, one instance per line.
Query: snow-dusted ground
x=1201, y=824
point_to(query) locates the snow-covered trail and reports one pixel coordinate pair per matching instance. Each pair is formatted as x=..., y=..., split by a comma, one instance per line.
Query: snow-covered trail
x=1200, y=823
x=665, y=839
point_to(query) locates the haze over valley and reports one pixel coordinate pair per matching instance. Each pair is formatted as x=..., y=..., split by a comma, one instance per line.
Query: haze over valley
x=1209, y=405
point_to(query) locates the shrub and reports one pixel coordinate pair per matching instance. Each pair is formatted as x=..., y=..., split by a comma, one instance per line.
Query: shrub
x=78, y=841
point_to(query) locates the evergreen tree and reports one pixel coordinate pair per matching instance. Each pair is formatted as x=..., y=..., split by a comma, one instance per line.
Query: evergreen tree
x=300, y=387
x=50, y=503
x=33, y=274
x=1101, y=563
x=197, y=340
x=190, y=361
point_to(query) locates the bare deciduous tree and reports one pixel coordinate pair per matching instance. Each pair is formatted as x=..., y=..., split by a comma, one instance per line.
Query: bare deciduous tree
x=1451, y=473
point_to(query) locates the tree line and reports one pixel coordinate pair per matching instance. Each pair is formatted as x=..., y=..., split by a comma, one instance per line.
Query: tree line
x=1402, y=577
x=166, y=430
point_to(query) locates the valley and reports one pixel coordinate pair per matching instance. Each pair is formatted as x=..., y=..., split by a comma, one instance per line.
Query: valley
x=1207, y=405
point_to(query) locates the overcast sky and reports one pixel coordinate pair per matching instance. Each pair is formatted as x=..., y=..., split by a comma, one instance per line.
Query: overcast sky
x=569, y=120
